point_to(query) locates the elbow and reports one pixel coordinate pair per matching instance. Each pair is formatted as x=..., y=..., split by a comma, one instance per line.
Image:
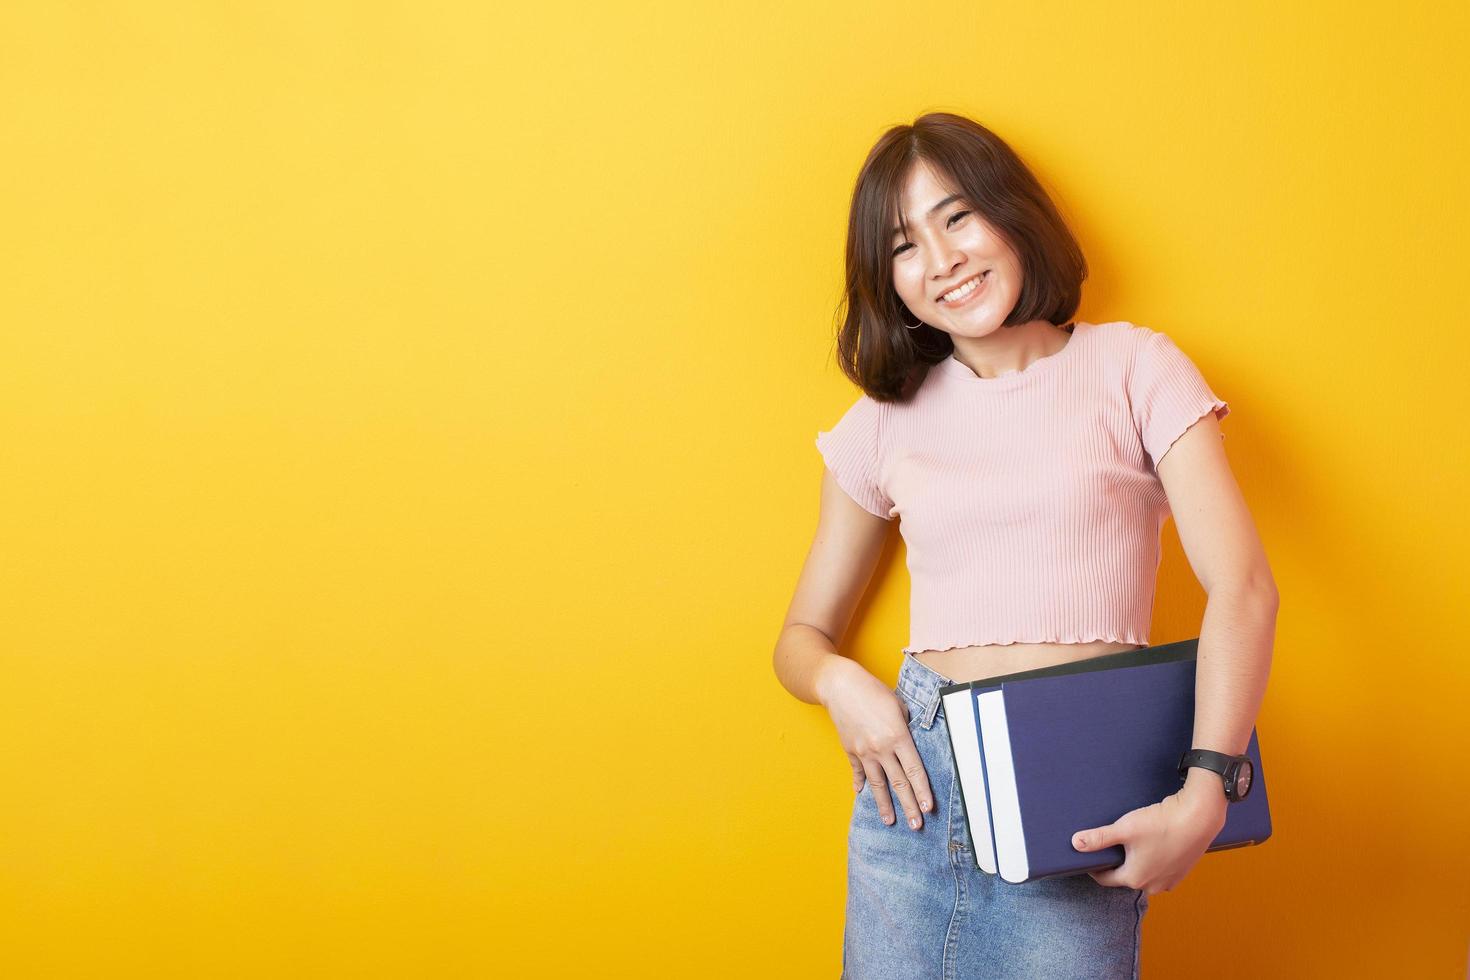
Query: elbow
x=1267, y=585
x=1267, y=592
x=1258, y=588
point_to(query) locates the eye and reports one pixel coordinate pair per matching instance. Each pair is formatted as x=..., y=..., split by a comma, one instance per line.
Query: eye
x=950, y=223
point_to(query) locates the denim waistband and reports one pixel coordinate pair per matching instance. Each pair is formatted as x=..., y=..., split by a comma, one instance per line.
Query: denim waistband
x=920, y=685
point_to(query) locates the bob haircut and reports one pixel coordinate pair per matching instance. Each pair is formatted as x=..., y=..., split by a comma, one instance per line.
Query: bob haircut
x=874, y=348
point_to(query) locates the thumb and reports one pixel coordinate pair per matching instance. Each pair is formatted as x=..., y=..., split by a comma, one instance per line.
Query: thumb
x=1095, y=838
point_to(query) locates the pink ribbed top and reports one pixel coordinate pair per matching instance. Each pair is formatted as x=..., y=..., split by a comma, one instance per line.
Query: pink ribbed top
x=1029, y=504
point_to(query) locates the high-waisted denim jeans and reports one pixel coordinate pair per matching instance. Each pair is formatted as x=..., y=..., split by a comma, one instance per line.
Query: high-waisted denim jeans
x=918, y=907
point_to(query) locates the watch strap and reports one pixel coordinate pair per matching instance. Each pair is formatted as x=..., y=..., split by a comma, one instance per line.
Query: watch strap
x=1219, y=763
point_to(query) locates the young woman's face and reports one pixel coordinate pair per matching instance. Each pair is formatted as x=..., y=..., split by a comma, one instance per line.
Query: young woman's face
x=950, y=248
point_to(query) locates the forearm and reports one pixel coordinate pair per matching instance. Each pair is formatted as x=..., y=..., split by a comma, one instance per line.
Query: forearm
x=806, y=662
x=1232, y=666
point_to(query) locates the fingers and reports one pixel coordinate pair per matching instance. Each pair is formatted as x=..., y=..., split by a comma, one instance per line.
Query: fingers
x=914, y=793
x=901, y=779
x=1119, y=877
x=890, y=764
x=878, y=784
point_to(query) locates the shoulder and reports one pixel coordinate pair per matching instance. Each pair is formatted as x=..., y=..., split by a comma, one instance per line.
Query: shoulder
x=1117, y=345
x=865, y=408
x=863, y=419
x=1137, y=347
x=1122, y=334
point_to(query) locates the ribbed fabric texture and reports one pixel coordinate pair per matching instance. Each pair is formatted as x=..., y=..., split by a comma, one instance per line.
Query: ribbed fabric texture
x=1029, y=504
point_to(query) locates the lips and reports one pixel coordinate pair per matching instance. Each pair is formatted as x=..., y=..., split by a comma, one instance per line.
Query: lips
x=983, y=278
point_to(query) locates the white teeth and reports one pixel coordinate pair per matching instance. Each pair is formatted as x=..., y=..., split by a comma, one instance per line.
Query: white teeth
x=966, y=289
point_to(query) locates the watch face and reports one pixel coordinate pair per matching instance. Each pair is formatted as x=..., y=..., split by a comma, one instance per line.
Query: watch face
x=1243, y=774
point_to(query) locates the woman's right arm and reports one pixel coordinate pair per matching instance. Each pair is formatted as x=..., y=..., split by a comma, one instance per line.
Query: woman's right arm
x=872, y=723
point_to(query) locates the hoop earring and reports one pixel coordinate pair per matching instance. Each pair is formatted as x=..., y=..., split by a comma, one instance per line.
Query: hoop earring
x=911, y=326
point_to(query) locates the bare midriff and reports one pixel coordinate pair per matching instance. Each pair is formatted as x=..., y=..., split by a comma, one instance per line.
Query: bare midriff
x=975, y=663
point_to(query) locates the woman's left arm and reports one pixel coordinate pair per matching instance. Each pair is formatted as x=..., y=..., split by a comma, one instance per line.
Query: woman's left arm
x=1163, y=842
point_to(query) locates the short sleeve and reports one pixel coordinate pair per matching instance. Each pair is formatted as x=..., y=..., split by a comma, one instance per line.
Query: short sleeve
x=1168, y=394
x=851, y=451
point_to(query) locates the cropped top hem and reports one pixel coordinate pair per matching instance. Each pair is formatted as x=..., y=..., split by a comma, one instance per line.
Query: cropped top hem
x=1086, y=637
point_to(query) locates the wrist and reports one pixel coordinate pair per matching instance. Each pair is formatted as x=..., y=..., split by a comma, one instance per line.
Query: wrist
x=1235, y=771
x=829, y=677
x=1204, y=788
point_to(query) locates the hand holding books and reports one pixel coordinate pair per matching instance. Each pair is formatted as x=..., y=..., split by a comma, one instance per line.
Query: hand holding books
x=1045, y=753
x=1162, y=841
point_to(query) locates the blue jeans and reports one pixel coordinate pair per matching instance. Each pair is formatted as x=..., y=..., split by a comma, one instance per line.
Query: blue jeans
x=918, y=907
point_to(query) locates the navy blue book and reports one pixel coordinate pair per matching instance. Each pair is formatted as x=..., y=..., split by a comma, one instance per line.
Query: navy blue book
x=1045, y=753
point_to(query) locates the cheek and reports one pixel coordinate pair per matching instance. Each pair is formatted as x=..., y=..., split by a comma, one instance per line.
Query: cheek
x=1010, y=267
x=909, y=286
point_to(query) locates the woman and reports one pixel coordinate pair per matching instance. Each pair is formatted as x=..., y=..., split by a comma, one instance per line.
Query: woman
x=1032, y=461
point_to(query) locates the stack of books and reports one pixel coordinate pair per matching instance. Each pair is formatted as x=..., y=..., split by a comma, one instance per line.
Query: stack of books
x=1045, y=753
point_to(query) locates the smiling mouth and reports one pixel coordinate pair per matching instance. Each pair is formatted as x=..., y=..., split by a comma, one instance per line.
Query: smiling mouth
x=965, y=290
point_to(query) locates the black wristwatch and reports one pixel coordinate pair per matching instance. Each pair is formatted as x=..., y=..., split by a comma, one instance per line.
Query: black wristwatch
x=1237, y=770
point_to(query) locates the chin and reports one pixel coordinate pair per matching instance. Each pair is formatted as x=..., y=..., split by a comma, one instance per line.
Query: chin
x=976, y=334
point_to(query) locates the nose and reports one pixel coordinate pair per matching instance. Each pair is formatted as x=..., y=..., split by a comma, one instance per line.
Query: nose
x=944, y=264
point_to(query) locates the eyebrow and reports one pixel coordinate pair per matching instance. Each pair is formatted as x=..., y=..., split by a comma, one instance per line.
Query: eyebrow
x=948, y=200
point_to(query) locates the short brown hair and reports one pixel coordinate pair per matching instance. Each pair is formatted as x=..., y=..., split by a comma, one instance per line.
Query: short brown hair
x=874, y=349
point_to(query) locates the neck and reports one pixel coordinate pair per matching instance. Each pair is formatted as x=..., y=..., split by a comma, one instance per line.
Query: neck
x=1007, y=350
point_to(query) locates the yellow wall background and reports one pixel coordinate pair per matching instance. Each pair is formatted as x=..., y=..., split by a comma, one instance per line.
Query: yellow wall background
x=407, y=414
